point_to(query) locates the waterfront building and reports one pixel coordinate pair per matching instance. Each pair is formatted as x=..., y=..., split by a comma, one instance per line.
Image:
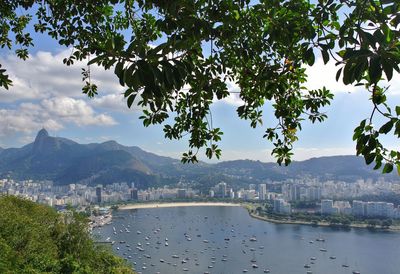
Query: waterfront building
x=281, y=206
x=181, y=193
x=222, y=190
x=327, y=207
x=358, y=208
x=262, y=191
x=212, y=194
x=98, y=193
x=342, y=207
x=239, y=193
x=379, y=209
x=277, y=205
x=134, y=194
x=231, y=194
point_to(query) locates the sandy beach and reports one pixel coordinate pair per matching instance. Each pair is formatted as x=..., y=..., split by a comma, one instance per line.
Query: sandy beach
x=177, y=204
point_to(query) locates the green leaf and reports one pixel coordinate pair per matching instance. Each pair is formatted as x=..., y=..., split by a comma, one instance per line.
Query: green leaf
x=386, y=127
x=119, y=69
x=338, y=74
x=388, y=69
x=130, y=100
x=374, y=71
x=95, y=60
x=369, y=158
x=310, y=57
x=325, y=56
x=236, y=14
x=387, y=168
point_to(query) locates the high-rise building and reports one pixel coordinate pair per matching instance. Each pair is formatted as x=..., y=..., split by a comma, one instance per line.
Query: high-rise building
x=222, y=190
x=327, y=207
x=281, y=206
x=134, y=194
x=313, y=193
x=379, y=209
x=358, y=208
x=277, y=205
x=181, y=193
x=98, y=193
x=262, y=191
x=292, y=192
x=295, y=191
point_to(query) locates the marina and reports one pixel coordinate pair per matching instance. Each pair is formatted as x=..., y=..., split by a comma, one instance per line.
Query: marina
x=230, y=241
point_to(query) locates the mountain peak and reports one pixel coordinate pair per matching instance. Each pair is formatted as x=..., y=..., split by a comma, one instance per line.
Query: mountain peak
x=41, y=141
x=42, y=134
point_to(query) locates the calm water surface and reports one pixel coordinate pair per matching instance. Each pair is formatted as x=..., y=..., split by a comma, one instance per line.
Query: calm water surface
x=218, y=240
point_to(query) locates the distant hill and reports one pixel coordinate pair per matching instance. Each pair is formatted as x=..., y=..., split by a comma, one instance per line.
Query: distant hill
x=65, y=161
x=346, y=168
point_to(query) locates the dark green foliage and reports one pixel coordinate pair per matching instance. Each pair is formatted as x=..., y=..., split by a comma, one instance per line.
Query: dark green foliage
x=262, y=46
x=36, y=239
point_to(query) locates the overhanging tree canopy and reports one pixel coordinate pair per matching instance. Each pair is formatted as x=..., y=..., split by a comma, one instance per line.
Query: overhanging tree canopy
x=175, y=57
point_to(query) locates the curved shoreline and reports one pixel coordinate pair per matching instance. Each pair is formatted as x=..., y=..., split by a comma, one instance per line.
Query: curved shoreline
x=362, y=226
x=253, y=215
x=175, y=204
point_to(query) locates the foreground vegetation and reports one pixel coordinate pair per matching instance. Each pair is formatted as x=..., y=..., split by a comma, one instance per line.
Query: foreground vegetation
x=175, y=59
x=36, y=239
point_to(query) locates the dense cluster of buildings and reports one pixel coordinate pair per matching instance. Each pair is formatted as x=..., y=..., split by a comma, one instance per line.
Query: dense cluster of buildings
x=360, y=209
x=81, y=195
x=46, y=192
x=301, y=192
x=254, y=192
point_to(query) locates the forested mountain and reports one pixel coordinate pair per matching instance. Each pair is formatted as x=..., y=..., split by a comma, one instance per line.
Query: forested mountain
x=347, y=168
x=65, y=161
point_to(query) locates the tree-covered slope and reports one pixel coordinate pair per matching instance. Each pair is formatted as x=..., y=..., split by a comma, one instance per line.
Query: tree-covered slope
x=36, y=239
x=347, y=168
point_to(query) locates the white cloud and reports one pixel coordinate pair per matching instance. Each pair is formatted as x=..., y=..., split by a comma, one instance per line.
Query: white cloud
x=113, y=102
x=320, y=75
x=44, y=75
x=52, y=114
x=75, y=111
x=233, y=98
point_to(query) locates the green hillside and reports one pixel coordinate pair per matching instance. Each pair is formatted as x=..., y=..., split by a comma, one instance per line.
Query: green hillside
x=36, y=239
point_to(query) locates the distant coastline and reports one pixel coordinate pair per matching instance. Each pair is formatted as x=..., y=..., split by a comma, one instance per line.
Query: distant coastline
x=321, y=224
x=174, y=204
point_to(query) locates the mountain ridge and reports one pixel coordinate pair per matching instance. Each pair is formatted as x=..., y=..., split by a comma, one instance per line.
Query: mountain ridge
x=65, y=161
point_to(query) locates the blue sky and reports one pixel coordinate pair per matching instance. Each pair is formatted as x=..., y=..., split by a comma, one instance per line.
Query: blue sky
x=48, y=93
